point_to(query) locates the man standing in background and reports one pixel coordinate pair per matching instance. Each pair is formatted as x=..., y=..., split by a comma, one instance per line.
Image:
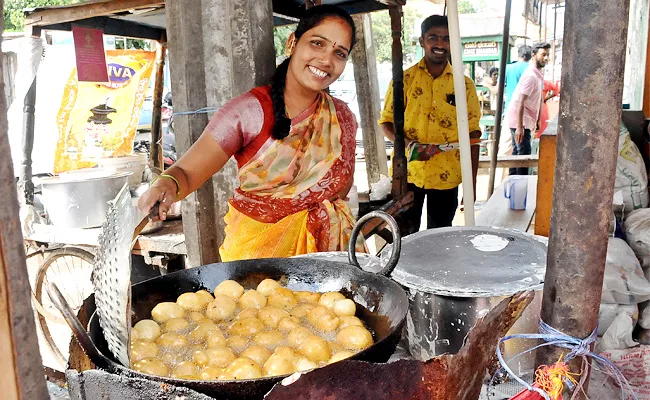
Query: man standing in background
x=430, y=120
x=515, y=70
x=523, y=113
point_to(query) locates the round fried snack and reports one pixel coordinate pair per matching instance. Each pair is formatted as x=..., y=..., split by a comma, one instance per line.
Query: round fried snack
x=220, y=357
x=229, y=288
x=328, y=299
x=269, y=339
x=247, y=313
x=316, y=349
x=304, y=364
x=185, y=369
x=278, y=365
x=201, y=358
x=147, y=330
x=191, y=302
x=237, y=343
x=323, y=319
x=171, y=339
x=252, y=299
x=282, y=298
x=267, y=286
x=271, y=316
x=200, y=333
x=354, y=337
x=210, y=373
x=244, y=368
x=197, y=317
x=288, y=324
x=215, y=339
x=165, y=311
x=258, y=354
x=141, y=349
x=175, y=325
x=221, y=308
x=345, y=307
x=205, y=296
x=302, y=310
x=246, y=327
x=151, y=366
x=340, y=356
x=348, y=320
x=307, y=297
x=298, y=335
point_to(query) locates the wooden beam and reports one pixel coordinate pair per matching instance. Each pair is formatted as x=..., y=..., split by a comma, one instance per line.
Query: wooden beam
x=111, y=26
x=530, y=161
x=20, y=359
x=70, y=13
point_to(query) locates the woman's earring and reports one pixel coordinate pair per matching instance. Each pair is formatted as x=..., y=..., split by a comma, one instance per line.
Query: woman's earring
x=291, y=44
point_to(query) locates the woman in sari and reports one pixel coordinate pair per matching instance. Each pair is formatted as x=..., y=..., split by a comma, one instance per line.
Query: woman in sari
x=294, y=145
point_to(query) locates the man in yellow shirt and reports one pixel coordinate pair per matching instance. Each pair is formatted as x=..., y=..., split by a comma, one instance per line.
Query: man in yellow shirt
x=430, y=119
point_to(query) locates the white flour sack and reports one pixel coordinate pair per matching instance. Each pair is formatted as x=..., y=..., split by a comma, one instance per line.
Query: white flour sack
x=631, y=176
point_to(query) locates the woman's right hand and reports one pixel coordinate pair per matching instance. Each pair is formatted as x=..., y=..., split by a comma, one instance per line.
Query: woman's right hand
x=162, y=191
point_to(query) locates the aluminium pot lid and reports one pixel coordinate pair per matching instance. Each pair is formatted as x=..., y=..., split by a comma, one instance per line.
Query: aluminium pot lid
x=471, y=261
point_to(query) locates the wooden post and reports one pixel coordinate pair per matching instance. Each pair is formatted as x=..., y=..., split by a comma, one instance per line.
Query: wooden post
x=365, y=78
x=20, y=360
x=29, y=122
x=400, y=183
x=553, y=44
x=585, y=171
x=155, y=152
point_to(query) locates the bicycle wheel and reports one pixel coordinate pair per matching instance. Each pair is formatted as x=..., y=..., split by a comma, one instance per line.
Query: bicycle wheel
x=69, y=269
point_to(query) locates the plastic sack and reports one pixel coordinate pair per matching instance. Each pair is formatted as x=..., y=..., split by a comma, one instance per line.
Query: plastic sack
x=608, y=313
x=624, y=282
x=353, y=201
x=634, y=363
x=381, y=189
x=644, y=315
x=631, y=175
x=619, y=334
x=637, y=230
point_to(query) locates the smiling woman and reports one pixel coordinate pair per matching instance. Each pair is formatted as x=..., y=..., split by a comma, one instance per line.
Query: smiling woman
x=294, y=145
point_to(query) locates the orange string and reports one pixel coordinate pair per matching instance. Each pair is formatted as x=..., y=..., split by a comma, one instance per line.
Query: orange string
x=550, y=378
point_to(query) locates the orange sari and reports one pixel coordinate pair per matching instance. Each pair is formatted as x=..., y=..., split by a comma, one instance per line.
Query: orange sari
x=287, y=203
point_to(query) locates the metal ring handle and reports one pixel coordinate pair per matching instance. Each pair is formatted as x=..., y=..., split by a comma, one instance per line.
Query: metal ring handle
x=77, y=328
x=397, y=240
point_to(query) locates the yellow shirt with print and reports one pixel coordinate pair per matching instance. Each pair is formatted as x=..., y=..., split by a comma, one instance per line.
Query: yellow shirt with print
x=430, y=119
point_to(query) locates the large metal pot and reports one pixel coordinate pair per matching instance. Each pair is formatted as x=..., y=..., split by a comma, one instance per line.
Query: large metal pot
x=454, y=276
x=383, y=308
x=80, y=199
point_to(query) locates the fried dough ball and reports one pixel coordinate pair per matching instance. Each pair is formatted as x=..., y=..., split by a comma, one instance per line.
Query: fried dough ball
x=282, y=298
x=307, y=297
x=267, y=286
x=151, y=366
x=201, y=358
x=184, y=370
x=278, y=365
x=269, y=339
x=229, y=288
x=221, y=308
x=298, y=335
x=288, y=324
x=197, y=317
x=200, y=333
x=304, y=364
x=354, y=337
x=286, y=352
x=246, y=327
x=210, y=373
x=316, y=349
x=328, y=299
x=165, y=311
x=175, y=325
x=340, y=356
x=205, y=296
x=171, y=339
x=220, y=357
x=345, y=321
x=258, y=354
x=147, y=330
x=141, y=349
x=247, y=313
x=244, y=368
x=323, y=319
x=134, y=335
x=171, y=358
x=237, y=343
x=191, y=302
x=335, y=347
x=252, y=299
x=345, y=307
x=271, y=315
x=215, y=339
x=302, y=310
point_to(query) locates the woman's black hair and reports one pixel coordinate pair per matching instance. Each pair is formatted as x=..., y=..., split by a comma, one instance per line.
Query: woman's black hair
x=311, y=18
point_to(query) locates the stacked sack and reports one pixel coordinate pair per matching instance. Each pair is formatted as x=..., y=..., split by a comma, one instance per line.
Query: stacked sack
x=626, y=288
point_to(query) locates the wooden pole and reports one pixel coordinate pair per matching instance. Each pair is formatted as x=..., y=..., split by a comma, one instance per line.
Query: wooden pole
x=29, y=122
x=585, y=170
x=20, y=360
x=155, y=152
x=553, y=44
x=365, y=78
x=400, y=183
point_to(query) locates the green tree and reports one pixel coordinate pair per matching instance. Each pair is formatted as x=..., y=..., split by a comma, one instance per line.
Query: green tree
x=383, y=36
x=471, y=6
x=280, y=36
x=13, y=11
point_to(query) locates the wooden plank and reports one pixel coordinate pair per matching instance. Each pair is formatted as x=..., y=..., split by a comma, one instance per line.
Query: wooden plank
x=57, y=15
x=530, y=161
x=546, y=171
x=496, y=211
x=111, y=26
x=8, y=380
x=169, y=240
